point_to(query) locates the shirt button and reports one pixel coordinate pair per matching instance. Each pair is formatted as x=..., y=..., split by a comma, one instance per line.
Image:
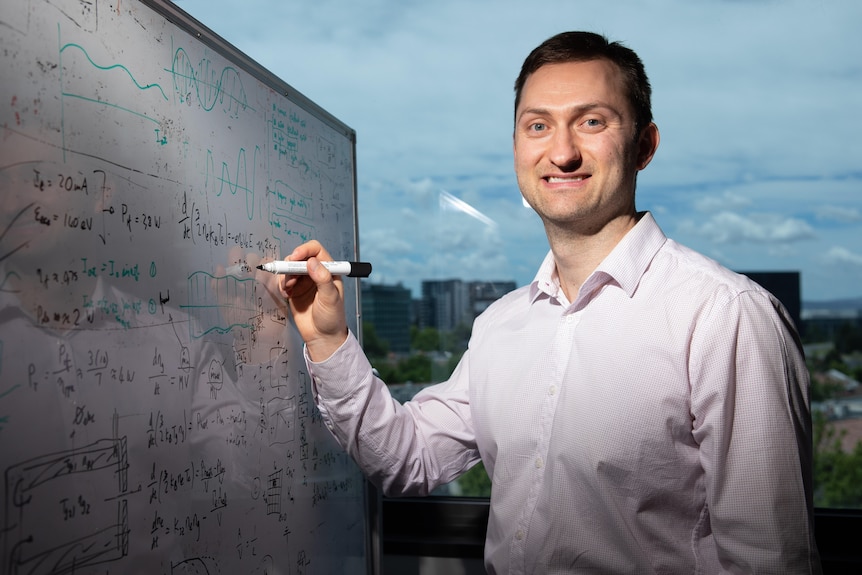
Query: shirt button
x=570, y=318
x=519, y=535
x=539, y=463
x=552, y=390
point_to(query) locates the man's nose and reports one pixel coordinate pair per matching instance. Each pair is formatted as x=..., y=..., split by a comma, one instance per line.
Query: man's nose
x=565, y=149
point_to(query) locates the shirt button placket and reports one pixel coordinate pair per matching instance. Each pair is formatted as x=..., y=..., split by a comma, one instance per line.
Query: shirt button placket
x=555, y=369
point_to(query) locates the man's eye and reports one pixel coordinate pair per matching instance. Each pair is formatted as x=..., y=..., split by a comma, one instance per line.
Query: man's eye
x=592, y=122
x=537, y=127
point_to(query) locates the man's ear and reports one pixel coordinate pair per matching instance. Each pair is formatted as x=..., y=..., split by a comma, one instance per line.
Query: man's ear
x=647, y=145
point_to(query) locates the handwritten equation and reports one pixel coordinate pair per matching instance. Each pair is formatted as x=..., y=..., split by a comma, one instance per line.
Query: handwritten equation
x=156, y=414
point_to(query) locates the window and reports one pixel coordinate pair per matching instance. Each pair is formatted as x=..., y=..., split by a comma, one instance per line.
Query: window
x=757, y=103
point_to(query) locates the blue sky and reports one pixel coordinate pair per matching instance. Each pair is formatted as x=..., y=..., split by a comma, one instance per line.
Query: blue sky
x=759, y=104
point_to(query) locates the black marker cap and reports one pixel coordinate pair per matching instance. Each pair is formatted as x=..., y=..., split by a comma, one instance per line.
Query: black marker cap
x=359, y=270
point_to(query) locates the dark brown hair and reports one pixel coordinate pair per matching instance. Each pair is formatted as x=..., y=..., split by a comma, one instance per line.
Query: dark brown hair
x=585, y=46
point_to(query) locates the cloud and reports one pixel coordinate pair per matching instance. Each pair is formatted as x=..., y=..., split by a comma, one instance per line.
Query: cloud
x=387, y=243
x=759, y=123
x=729, y=228
x=842, y=214
x=724, y=201
x=842, y=256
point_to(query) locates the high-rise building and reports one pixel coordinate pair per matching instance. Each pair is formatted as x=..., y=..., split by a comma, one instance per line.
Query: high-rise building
x=445, y=304
x=388, y=308
x=786, y=287
x=484, y=293
x=449, y=303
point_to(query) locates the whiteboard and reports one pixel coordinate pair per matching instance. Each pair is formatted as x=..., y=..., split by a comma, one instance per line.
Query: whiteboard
x=155, y=411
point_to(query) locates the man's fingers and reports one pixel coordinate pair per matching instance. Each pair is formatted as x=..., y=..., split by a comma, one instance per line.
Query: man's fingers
x=308, y=250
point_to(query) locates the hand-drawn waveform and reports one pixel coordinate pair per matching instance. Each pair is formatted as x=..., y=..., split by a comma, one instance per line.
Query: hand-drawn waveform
x=218, y=304
x=237, y=182
x=209, y=83
x=116, y=98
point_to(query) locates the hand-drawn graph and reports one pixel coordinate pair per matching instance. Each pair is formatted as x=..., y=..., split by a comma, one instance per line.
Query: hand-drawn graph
x=124, y=97
x=218, y=304
x=209, y=83
x=272, y=495
x=281, y=420
x=239, y=181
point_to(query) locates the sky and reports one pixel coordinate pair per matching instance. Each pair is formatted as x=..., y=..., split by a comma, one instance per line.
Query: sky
x=758, y=102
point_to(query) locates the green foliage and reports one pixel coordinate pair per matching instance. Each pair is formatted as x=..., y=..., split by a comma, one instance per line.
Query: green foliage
x=425, y=339
x=430, y=360
x=372, y=344
x=837, y=474
x=415, y=368
x=455, y=341
x=452, y=363
x=823, y=391
x=848, y=338
x=475, y=483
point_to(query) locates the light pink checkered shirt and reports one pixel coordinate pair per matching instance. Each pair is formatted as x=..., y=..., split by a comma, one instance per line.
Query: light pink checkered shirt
x=657, y=424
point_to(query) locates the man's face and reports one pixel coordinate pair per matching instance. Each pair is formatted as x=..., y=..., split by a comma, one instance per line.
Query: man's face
x=576, y=156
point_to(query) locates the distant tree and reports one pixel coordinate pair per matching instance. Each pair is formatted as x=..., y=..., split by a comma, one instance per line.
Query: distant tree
x=416, y=368
x=823, y=391
x=425, y=339
x=475, y=483
x=848, y=338
x=452, y=363
x=455, y=341
x=837, y=474
x=814, y=334
x=389, y=372
x=374, y=346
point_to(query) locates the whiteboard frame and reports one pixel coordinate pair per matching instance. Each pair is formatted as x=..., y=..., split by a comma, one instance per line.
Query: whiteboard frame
x=177, y=16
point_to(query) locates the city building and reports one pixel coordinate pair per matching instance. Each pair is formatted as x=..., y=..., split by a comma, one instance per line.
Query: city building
x=388, y=309
x=785, y=286
x=484, y=293
x=826, y=320
x=445, y=304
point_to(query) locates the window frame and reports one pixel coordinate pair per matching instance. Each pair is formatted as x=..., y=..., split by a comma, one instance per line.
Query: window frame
x=455, y=527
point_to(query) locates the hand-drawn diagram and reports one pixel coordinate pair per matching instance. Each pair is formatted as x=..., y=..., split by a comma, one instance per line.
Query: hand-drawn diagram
x=32, y=491
x=210, y=84
x=156, y=413
x=219, y=304
x=84, y=89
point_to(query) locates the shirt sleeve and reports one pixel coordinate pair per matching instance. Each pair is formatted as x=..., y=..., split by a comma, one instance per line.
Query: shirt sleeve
x=753, y=424
x=407, y=449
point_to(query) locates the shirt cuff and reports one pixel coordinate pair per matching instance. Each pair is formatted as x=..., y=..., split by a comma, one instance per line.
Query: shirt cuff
x=335, y=378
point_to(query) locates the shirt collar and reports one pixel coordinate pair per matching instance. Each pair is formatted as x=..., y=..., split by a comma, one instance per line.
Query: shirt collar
x=625, y=265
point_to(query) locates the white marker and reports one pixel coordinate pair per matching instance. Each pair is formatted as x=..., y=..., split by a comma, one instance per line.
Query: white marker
x=349, y=269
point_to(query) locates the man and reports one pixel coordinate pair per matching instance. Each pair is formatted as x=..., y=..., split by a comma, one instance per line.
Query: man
x=639, y=408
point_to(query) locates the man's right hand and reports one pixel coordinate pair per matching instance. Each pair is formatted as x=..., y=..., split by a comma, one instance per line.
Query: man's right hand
x=316, y=302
